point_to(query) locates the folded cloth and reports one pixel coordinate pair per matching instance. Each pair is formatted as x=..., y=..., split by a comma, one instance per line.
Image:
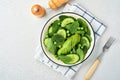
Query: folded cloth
x=98, y=28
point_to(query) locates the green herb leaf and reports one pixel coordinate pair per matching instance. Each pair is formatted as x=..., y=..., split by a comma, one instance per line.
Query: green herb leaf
x=65, y=59
x=58, y=38
x=73, y=27
x=70, y=58
x=84, y=25
x=81, y=54
x=62, y=17
x=54, y=27
x=50, y=45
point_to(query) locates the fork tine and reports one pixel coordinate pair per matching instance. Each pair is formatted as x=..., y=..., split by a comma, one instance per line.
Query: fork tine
x=109, y=42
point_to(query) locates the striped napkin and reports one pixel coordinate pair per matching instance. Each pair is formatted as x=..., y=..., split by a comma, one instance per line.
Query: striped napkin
x=99, y=28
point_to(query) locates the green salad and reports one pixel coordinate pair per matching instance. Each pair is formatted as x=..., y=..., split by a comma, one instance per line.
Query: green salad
x=68, y=39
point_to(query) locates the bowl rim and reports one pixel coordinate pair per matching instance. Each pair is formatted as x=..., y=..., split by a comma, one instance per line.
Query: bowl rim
x=53, y=60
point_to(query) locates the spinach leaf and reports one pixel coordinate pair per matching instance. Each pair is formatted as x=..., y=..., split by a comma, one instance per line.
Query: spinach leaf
x=50, y=46
x=83, y=24
x=69, y=58
x=54, y=27
x=65, y=59
x=81, y=54
x=58, y=38
x=73, y=27
x=85, y=49
x=62, y=17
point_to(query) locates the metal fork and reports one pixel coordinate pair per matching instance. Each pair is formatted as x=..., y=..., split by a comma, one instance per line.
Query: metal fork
x=98, y=59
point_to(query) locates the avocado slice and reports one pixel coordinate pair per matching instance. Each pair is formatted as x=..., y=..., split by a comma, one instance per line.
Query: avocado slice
x=69, y=44
x=62, y=32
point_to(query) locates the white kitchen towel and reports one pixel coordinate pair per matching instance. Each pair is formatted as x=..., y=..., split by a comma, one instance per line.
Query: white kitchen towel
x=98, y=27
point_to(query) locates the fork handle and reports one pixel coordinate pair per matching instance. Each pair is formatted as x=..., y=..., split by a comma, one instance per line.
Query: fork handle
x=92, y=69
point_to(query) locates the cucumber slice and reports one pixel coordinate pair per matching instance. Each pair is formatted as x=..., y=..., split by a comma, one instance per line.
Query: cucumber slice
x=50, y=30
x=66, y=21
x=74, y=58
x=85, y=42
x=62, y=32
x=89, y=37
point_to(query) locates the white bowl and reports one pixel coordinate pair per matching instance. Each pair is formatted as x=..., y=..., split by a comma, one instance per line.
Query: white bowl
x=44, y=30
